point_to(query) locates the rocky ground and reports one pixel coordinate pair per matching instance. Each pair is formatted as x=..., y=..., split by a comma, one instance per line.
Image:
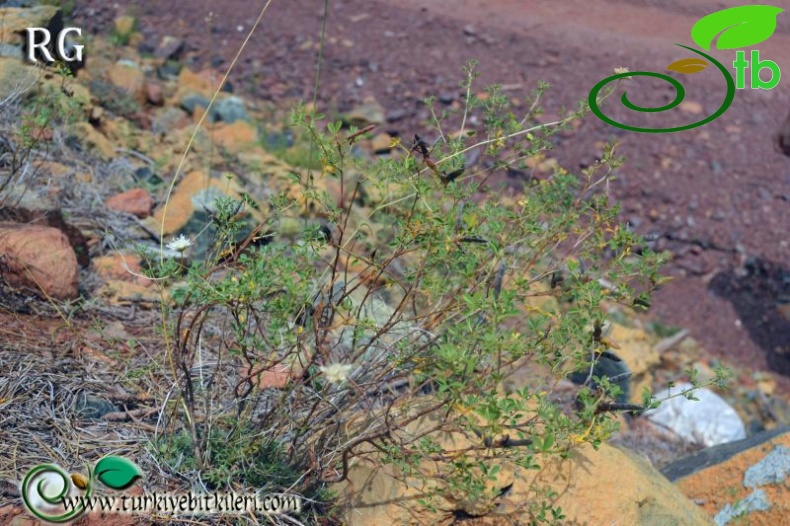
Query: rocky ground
x=716, y=197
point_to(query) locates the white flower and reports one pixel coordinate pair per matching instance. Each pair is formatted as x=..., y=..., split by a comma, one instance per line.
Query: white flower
x=620, y=70
x=336, y=373
x=180, y=244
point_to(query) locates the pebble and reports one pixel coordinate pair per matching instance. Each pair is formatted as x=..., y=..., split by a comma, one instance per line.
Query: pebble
x=692, y=107
x=229, y=110
x=718, y=216
x=446, y=97
x=396, y=115
x=191, y=101
x=170, y=47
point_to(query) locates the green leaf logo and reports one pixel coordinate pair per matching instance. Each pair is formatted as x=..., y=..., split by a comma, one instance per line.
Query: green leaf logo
x=742, y=26
x=117, y=472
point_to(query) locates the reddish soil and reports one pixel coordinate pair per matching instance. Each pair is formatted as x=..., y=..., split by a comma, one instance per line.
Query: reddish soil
x=717, y=195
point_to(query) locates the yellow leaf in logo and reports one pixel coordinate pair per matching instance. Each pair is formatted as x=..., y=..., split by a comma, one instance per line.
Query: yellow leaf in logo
x=688, y=66
x=79, y=480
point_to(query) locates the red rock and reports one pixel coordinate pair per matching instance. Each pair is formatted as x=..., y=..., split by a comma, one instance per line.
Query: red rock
x=121, y=267
x=277, y=377
x=235, y=137
x=39, y=258
x=153, y=93
x=136, y=201
x=127, y=77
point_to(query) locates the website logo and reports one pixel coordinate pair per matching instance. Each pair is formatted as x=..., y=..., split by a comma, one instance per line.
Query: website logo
x=52, y=495
x=47, y=488
x=736, y=27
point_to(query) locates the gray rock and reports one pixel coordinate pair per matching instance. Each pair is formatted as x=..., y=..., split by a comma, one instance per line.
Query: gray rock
x=608, y=365
x=170, y=47
x=92, y=407
x=192, y=100
x=166, y=120
x=229, y=110
x=446, y=97
x=396, y=115
x=279, y=140
x=169, y=69
x=10, y=50
x=757, y=501
x=365, y=114
x=773, y=469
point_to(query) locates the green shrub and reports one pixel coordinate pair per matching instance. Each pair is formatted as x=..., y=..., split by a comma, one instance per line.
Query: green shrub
x=421, y=301
x=28, y=120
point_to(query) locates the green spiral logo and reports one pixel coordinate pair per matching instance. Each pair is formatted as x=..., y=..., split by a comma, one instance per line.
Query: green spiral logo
x=731, y=28
x=680, y=94
x=53, y=484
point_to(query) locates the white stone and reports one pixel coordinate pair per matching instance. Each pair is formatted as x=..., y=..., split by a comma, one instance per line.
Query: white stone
x=709, y=421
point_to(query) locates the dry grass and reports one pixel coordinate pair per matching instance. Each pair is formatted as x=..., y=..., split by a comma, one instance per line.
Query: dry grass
x=48, y=370
x=44, y=417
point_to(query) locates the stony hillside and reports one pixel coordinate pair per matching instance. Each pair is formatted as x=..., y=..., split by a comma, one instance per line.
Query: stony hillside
x=95, y=182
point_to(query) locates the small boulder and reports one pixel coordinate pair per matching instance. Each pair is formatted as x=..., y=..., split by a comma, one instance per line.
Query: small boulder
x=169, y=48
x=709, y=421
x=228, y=110
x=603, y=486
x=39, y=258
x=381, y=143
x=121, y=267
x=190, y=101
x=195, y=193
x=236, y=137
x=136, y=201
x=202, y=83
x=167, y=119
x=127, y=76
x=370, y=112
x=154, y=94
x=17, y=19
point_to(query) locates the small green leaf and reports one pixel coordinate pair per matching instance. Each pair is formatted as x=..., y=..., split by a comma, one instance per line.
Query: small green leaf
x=742, y=26
x=117, y=472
